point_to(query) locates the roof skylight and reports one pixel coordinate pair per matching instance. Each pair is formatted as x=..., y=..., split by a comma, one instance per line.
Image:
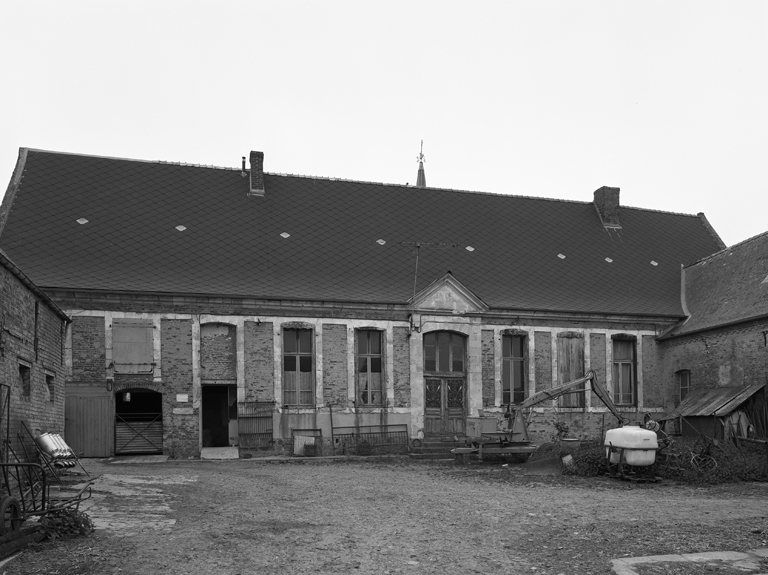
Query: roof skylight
x=381, y=242
x=82, y=221
x=561, y=256
x=609, y=260
x=181, y=228
x=654, y=263
x=285, y=235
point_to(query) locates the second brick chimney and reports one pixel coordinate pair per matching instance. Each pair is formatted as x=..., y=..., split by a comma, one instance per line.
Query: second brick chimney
x=257, y=174
x=607, y=205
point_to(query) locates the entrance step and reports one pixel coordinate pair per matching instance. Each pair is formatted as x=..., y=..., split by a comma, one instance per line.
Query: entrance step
x=220, y=453
x=435, y=449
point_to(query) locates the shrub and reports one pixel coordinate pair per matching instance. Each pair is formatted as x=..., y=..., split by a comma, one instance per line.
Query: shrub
x=66, y=523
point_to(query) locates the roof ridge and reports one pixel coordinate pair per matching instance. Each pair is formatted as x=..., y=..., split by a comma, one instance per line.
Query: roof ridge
x=727, y=248
x=353, y=181
x=165, y=162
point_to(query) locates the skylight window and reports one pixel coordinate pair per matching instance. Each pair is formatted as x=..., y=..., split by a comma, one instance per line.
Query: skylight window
x=470, y=249
x=561, y=256
x=609, y=260
x=181, y=228
x=82, y=221
x=654, y=263
x=381, y=242
x=285, y=235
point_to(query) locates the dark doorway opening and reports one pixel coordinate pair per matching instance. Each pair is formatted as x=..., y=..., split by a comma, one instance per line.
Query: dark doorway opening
x=219, y=415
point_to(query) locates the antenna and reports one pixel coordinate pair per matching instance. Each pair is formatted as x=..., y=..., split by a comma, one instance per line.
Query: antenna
x=418, y=246
x=420, y=157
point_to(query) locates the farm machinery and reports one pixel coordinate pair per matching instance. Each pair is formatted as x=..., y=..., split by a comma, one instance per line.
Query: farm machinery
x=512, y=437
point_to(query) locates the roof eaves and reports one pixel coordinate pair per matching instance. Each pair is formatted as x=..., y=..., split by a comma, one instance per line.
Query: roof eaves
x=6, y=262
x=13, y=187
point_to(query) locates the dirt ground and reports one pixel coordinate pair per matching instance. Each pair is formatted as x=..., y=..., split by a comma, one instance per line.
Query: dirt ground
x=387, y=516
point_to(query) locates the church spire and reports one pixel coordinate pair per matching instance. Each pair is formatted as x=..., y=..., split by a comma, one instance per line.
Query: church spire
x=421, y=179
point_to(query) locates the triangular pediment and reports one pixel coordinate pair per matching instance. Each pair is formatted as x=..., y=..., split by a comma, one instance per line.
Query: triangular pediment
x=448, y=294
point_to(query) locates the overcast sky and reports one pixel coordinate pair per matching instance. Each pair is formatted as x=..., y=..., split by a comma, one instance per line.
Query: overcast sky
x=666, y=100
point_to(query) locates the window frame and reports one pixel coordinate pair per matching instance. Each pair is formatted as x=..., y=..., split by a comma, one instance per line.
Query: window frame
x=25, y=378
x=50, y=384
x=453, y=338
x=370, y=359
x=681, y=375
x=618, y=394
x=297, y=356
x=126, y=351
x=508, y=365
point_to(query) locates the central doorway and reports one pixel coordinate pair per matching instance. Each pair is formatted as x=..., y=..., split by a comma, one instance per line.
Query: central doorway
x=445, y=383
x=220, y=415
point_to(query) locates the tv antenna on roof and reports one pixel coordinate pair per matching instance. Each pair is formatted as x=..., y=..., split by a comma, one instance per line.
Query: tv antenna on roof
x=418, y=246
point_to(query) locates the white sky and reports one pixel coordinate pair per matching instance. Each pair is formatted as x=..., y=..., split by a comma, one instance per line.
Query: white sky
x=666, y=100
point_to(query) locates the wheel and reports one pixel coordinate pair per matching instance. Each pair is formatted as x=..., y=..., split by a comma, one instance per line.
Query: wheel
x=11, y=515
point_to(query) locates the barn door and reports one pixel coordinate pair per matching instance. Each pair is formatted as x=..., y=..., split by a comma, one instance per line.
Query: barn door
x=89, y=422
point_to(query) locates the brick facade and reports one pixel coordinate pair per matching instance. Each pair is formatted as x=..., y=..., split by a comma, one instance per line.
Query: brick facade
x=181, y=427
x=335, y=378
x=31, y=341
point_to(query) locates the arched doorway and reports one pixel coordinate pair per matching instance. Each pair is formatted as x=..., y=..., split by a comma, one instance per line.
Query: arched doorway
x=138, y=422
x=445, y=383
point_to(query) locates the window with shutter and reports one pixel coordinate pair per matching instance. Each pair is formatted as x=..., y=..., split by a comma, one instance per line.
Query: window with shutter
x=133, y=345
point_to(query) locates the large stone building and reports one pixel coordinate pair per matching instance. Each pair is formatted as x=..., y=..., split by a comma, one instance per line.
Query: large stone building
x=206, y=301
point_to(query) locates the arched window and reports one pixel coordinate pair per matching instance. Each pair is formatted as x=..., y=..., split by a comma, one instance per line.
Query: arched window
x=444, y=352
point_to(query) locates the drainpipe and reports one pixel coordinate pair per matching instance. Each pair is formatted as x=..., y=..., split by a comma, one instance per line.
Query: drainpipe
x=333, y=442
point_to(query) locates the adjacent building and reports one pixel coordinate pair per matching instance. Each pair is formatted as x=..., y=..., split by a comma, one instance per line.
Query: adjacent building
x=32, y=331
x=222, y=306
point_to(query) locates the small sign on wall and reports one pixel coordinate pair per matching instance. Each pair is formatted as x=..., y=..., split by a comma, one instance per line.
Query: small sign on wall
x=182, y=398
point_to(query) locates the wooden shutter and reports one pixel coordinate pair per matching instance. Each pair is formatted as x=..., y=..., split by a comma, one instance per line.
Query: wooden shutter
x=570, y=366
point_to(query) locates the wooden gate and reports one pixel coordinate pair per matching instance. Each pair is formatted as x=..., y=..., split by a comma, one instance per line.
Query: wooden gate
x=255, y=423
x=444, y=405
x=88, y=421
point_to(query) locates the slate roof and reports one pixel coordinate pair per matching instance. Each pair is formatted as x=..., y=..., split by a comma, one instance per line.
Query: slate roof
x=6, y=262
x=232, y=243
x=728, y=287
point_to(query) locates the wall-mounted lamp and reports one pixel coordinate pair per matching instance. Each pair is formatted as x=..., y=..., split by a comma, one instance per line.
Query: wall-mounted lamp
x=414, y=327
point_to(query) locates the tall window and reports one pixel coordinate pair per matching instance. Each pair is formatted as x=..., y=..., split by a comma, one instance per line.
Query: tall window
x=369, y=370
x=25, y=379
x=570, y=366
x=683, y=383
x=50, y=383
x=513, y=386
x=624, y=372
x=298, y=378
x=444, y=352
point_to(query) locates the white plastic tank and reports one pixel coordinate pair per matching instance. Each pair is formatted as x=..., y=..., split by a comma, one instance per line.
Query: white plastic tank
x=639, y=445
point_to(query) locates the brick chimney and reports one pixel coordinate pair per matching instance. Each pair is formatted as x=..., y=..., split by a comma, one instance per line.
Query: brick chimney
x=607, y=205
x=257, y=174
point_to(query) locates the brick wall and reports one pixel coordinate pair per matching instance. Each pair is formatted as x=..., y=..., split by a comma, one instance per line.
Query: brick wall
x=597, y=361
x=88, y=350
x=402, y=369
x=543, y=360
x=218, y=352
x=730, y=356
x=181, y=430
x=19, y=328
x=488, y=367
x=335, y=364
x=653, y=381
x=259, y=361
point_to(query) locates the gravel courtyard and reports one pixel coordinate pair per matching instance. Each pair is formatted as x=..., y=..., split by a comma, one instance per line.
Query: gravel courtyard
x=387, y=516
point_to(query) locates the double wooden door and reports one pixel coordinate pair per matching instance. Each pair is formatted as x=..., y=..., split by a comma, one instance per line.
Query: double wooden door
x=444, y=405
